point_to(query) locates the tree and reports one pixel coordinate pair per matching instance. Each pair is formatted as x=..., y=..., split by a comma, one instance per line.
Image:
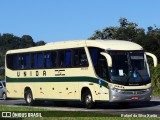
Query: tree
x=26, y=41
x=126, y=31
x=129, y=31
x=9, y=42
x=39, y=43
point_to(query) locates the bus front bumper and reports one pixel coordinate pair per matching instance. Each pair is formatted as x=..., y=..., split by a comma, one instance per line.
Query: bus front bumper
x=117, y=95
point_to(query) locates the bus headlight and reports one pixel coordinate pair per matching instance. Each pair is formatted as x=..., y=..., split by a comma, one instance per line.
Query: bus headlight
x=149, y=89
x=116, y=90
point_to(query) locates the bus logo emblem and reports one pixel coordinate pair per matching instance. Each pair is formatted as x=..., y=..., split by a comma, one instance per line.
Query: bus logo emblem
x=59, y=73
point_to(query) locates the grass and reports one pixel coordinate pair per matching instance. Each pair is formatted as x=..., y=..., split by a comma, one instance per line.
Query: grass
x=66, y=115
x=51, y=113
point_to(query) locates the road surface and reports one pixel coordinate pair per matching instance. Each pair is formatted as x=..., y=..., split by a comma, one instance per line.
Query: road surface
x=144, y=108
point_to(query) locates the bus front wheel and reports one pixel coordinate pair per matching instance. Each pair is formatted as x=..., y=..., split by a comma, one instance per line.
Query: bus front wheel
x=88, y=100
x=4, y=96
x=29, y=97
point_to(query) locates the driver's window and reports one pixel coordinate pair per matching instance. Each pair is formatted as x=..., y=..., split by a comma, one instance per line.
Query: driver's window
x=99, y=63
x=102, y=70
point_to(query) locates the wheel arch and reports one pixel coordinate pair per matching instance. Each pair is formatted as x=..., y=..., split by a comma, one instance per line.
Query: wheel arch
x=28, y=88
x=83, y=90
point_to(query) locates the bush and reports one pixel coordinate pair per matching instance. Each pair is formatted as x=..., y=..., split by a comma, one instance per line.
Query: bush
x=155, y=77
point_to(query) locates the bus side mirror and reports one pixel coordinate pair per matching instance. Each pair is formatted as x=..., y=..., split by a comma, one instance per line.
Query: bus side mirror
x=153, y=57
x=108, y=57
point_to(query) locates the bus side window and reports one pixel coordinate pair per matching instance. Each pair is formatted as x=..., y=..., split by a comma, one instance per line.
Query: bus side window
x=83, y=58
x=47, y=61
x=39, y=60
x=35, y=60
x=50, y=59
x=60, y=59
x=67, y=58
x=15, y=62
x=75, y=57
x=32, y=60
x=27, y=60
x=21, y=60
x=54, y=59
x=12, y=61
x=80, y=58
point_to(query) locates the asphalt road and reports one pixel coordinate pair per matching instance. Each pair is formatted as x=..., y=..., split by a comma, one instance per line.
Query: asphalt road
x=139, y=108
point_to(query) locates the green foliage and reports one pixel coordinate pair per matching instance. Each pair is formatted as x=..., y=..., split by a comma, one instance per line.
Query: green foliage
x=155, y=77
x=126, y=31
x=39, y=43
x=150, y=40
x=10, y=42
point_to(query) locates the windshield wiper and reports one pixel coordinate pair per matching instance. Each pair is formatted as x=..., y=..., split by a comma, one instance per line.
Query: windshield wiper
x=128, y=79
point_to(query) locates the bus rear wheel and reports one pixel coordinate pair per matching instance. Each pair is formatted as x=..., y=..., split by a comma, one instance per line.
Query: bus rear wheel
x=29, y=97
x=88, y=100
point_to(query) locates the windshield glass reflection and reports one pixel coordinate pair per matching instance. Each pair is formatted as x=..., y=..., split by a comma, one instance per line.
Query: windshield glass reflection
x=129, y=68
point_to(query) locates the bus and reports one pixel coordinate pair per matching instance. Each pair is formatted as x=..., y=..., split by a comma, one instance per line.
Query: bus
x=89, y=71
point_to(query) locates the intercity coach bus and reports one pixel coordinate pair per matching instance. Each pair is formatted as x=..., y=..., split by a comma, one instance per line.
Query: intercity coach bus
x=84, y=70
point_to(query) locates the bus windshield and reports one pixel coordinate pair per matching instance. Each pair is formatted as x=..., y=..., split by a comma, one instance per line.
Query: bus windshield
x=129, y=68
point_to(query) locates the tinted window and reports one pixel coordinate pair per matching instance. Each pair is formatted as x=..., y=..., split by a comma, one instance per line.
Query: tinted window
x=27, y=61
x=79, y=58
x=83, y=58
x=21, y=60
x=99, y=63
x=15, y=62
x=37, y=60
x=50, y=59
x=12, y=62
x=76, y=58
x=32, y=60
x=68, y=58
x=61, y=58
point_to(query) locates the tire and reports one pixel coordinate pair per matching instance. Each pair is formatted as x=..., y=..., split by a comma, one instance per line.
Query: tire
x=29, y=98
x=88, y=100
x=4, y=96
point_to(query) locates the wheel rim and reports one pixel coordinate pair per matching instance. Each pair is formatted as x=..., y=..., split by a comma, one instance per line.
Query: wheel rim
x=4, y=96
x=88, y=99
x=29, y=98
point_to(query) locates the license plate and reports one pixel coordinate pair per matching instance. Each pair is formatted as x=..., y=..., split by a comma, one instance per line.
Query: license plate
x=134, y=98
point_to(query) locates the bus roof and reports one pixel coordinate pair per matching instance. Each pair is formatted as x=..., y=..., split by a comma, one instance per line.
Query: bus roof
x=104, y=44
x=114, y=44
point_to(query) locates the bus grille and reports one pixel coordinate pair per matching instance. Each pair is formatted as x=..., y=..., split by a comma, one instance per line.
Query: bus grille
x=134, y=92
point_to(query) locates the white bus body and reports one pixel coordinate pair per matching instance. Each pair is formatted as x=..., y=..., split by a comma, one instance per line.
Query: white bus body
x=83, y=70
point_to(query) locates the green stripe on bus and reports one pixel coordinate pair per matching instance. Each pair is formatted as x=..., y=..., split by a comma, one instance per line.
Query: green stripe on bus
x=58, y=79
